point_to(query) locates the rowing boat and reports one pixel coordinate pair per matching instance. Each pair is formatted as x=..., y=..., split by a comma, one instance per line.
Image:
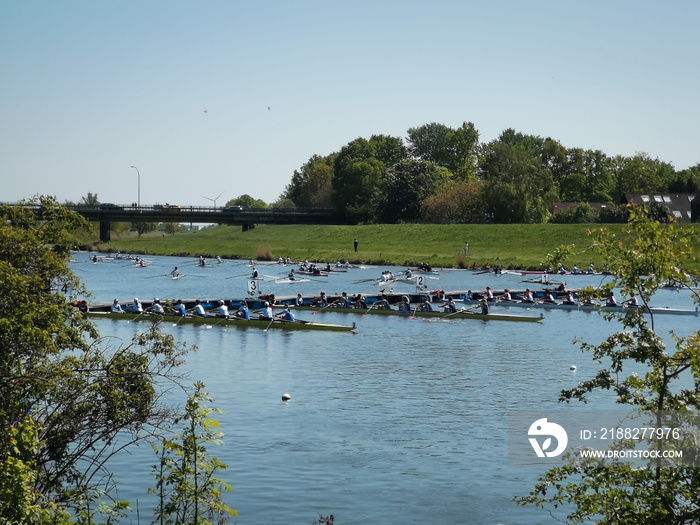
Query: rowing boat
x=594, y=307
x=223, y=321
x=462, y=314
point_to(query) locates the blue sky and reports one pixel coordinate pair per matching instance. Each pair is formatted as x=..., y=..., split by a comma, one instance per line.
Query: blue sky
x=182, y=89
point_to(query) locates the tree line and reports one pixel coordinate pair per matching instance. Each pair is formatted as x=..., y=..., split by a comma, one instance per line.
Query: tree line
x=444, y=175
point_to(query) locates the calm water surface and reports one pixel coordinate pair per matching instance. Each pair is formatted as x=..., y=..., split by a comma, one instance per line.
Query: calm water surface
x=403, y=421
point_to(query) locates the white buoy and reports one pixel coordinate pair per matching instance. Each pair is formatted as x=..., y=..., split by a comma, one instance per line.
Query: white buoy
x=286, y=397
x=572, y=367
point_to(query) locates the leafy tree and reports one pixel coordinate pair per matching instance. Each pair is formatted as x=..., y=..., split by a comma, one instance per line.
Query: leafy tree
x=91, y=200
x=531, y=143
x=64, y=396
x=359, y=170
x=686, y=181
x=143, y=227
x=406, y=184
x=581, y=214
x=171, y=228
x=457, y=203
x=187, y=485
x=311, y=185
x=647, y=256
x=283, y=202
x=246, y=201
x=640, y=173
x=517, y=188
x=447, y=147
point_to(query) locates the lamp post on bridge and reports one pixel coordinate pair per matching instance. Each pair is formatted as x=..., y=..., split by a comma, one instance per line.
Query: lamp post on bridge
x=139, y=179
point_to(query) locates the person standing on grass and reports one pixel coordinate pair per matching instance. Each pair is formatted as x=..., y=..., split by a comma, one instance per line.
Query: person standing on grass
x=355, y=243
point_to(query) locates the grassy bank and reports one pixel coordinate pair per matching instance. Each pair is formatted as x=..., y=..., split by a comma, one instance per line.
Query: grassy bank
x=516, y=245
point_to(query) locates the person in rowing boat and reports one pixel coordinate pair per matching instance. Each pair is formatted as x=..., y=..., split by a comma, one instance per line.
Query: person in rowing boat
x=175, y=273
x=321, y=301
x=382, y=303
x=404, y=304
x=591, y=271
x=291, y=275
x=266, y=311
x=409, y=273
x=116, y=307
x=343, y=301
x=299, y=301
x=243, y=311
x=156, y=307
x=484, y=307
x=255, y=273
x=570, y=299
x=632, y=302
x=528, y=298
x=425, y=306
x=136, y=306
x=549, y=298
x=489, y=293
x=222, y=309
x=94, y=258
x=611, y=301
x=588, y=301
x=576, y=271
x=287, y=314
x=359, y=301
x=198, y=309
x=202, y=261
x=506, y=296
x=450, y=306
x=180, y=308
x=468, y=295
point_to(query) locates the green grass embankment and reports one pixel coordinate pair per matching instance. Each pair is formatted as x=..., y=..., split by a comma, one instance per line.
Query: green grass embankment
x=512, y=245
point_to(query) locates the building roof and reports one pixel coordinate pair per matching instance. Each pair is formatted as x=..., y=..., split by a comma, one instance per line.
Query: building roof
x=678, y=203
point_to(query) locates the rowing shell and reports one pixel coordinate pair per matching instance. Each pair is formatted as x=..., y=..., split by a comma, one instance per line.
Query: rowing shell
x=465, y=314
x=238, y=323
x=597, y=308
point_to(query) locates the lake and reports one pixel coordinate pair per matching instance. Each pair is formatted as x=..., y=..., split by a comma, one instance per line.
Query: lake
x=402, y=421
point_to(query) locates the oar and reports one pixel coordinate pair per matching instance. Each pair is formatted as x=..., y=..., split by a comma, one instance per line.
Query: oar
x=218, y=322
x=368, y=309
x=242, y=275
x=413, y=316
x=271, y=321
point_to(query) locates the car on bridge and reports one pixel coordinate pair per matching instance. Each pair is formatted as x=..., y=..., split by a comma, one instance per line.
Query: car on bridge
x=171, y=207
x=233, y=208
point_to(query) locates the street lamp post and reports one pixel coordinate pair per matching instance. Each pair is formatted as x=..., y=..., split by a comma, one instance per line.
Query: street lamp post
x=139, y=179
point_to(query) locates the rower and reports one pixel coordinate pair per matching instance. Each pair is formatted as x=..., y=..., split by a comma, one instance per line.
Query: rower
x=255, y=273
x=136, y=305
x=266, y=312
x=94, y=258
x=382, y=303
x=611, y=301
x=570, y=298
x=180, y=308
x=468, y=295
x=116, y=307
x=591, y=271
x=243, y=311
x=588, y=301
x=405, y=304
x=506, y=296
x=287, y=314
x=528, y=296
x=337, y=263
x=291, y=275
x=323, y=300
x=202, y=261
x=347, y=263
x=359, y=301
x=484, y=307
x=176, y=273
x=489, y=293
x=222, y=310
x=425, y=307
x=299, y=301
x=632, y=302
x=450, y=306
x=576, y=270
x=549, y=298
x=409, y=274
x=157, y=307
x=198, y=308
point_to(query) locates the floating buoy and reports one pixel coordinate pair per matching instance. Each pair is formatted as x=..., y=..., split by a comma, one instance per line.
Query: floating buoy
x=286, y=397
x=572, y=367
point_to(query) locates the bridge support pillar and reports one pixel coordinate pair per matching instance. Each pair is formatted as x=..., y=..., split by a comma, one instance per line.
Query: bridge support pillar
x=247, y=227
x=105, y=234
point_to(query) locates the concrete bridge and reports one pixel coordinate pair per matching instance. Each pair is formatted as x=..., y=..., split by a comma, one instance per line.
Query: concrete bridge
x=247, y=218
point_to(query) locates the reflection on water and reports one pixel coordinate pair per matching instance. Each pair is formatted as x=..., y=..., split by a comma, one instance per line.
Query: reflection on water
x=403, y=421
